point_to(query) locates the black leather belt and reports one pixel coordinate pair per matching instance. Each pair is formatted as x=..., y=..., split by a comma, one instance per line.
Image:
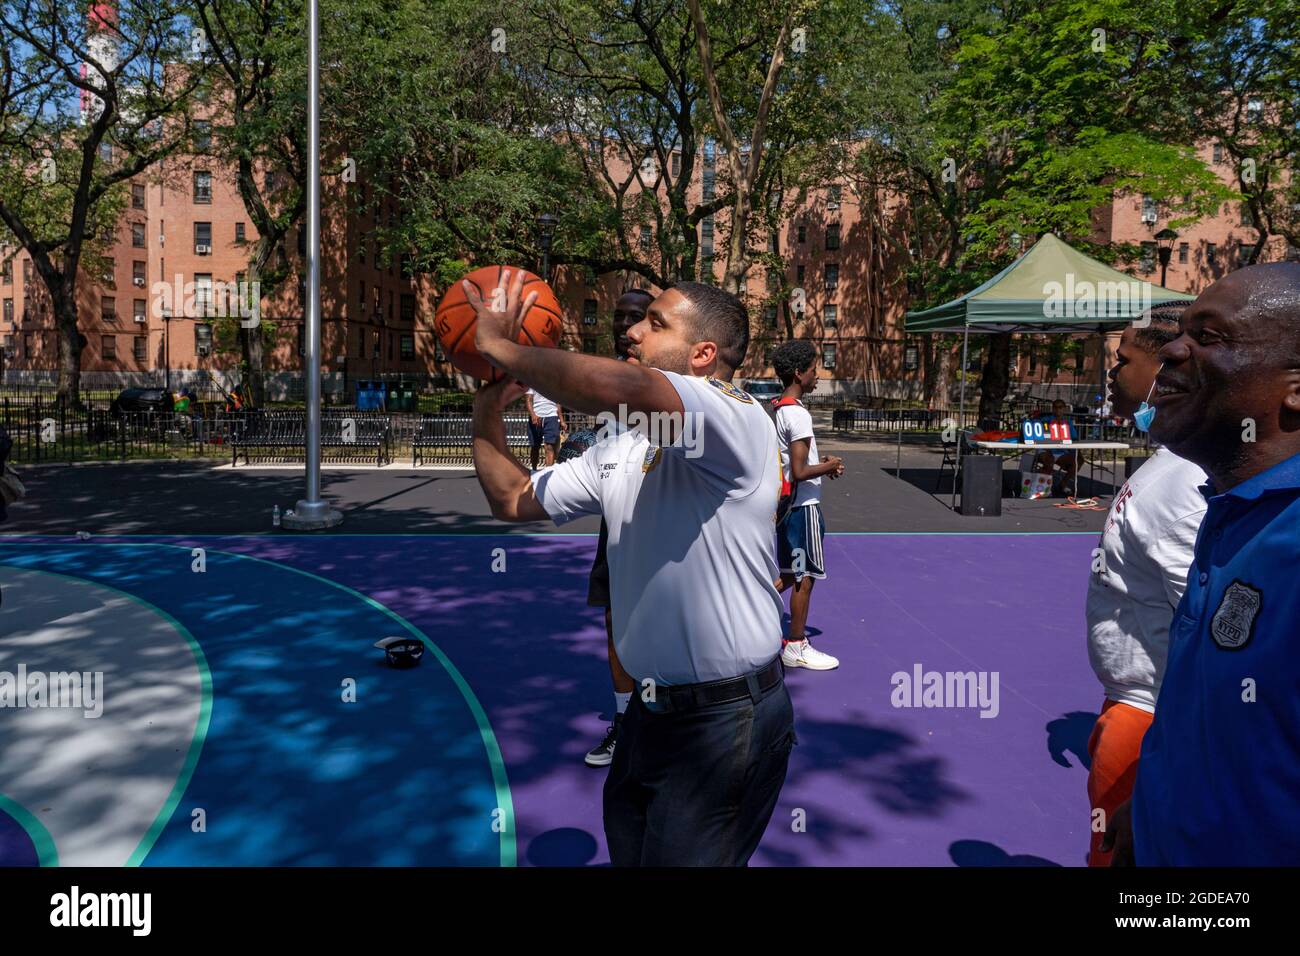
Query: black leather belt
x=682, y=697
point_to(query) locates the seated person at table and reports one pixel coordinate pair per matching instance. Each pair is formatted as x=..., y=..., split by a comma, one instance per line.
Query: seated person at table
x=1061, y=458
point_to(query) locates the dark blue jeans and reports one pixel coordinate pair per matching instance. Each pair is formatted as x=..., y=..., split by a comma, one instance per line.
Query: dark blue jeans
x=697, y=787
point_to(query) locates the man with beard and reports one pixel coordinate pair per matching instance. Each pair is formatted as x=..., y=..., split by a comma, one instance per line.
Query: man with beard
x=1218, y=780
x=705, y=743
x=628, y=311
x=1145, y=549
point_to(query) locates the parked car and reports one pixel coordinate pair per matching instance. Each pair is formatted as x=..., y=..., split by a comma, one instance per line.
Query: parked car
x=765, y=390
x=141, y=400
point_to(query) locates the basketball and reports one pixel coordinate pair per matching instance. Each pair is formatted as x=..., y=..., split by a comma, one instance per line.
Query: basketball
x=455, y=320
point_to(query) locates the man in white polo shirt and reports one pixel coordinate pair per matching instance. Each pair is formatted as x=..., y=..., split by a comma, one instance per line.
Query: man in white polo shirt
x=703, y=749
x=1138, y=579
x=545, y=422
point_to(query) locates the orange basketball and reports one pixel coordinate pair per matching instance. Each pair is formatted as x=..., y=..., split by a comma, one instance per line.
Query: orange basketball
x=455, y=320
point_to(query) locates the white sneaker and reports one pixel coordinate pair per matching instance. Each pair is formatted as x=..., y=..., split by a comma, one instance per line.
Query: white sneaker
x=803, y=654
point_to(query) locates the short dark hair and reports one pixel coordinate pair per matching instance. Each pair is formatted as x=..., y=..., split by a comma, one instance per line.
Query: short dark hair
x=636, y=290
x=791, y=358
x=719, y=317
x=1162, y=327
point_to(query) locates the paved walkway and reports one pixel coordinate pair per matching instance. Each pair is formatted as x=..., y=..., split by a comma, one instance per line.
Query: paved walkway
x=158, y=498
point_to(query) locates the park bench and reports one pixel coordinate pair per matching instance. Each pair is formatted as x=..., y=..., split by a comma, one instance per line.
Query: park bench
x=287, y=432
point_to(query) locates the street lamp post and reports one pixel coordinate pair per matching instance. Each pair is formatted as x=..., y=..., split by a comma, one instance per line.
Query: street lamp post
x=1165, y=240
x=547, y=222
x=311, y=513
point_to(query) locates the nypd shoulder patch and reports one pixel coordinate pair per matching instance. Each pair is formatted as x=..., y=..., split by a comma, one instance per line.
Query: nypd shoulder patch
x=726, y=388
x=1233, y=623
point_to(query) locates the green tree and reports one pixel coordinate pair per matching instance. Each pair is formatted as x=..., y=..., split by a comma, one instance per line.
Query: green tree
x=71, y=141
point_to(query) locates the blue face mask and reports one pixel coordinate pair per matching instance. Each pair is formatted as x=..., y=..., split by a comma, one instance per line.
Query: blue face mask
x=1146, y=414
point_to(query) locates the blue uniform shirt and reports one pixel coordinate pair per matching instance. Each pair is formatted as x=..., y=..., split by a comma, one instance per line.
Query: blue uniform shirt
x=1218, y=781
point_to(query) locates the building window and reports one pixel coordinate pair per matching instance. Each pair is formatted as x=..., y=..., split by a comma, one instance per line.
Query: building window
x=1243, y=253
x=361, y=251
x=677, y=164
x=239, y=232
x=108, y=348
x=911, y=359
x=1149, y=213
x=110, y=272
x=803, y=233
x=1182, y=252
x=202, y=238
x=27, y=345
x=828, y=356
x=798, y=274
x=378, y=335
x=137, y=310
x=407, y=346
x=833, y=193
x=202, y=135
x=1247, y=218
x=203, y=187
x=137, y=235
x=769, y=317
x=589, y=345
x=1218, y=152
x=706, y=236
x=390, y=346
x=137, y=196
x=141, y=349
x=203, y=338
x=363, y=299
x=1148, y=261
x=137, y=274
x=588, y=311
x=646, y=237
x=1254, y=111
x=202, y=293
x=707, y=184
x=9, y=311
x=830, y=316
x=408, y=307
x=832, y=276
x=833, y=235
x=708, y=154
x=774, y=244
x=108, y=309
x=1210, y=251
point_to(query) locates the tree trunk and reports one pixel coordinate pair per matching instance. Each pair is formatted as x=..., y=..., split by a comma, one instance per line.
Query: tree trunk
x=251, y=353
x=70, y=346
x=995, y=379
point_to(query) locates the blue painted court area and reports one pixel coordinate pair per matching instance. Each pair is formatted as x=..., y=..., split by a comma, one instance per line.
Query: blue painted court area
x=280, y=769
x=410, y=773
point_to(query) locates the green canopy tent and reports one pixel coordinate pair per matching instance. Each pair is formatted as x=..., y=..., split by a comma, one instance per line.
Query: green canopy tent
x=1053, y=287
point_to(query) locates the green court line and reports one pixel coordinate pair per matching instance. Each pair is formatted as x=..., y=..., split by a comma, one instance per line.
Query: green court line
x=200, y=727
x=46, y=853
x=501, y=784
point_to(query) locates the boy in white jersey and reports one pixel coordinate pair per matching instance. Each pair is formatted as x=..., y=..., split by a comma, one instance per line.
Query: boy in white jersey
x=1146, y=546
x=703, y=749
x=799, y=534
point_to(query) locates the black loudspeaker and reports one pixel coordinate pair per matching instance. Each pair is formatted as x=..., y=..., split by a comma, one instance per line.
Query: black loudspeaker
x=1133, y=463
x=981, y=485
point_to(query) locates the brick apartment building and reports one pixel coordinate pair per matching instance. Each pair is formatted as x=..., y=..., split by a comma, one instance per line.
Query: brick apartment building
x=186, y=226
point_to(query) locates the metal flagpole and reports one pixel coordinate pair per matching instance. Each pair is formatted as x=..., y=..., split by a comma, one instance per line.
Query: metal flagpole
x=311, y=513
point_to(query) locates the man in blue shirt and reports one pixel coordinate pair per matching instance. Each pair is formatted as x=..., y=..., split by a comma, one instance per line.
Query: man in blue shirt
x=1218, y=779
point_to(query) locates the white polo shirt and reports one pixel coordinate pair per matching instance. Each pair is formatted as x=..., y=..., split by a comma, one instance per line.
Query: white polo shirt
x=543, y=407
x=1147, y=544
x=793, y=423
x=691, y=543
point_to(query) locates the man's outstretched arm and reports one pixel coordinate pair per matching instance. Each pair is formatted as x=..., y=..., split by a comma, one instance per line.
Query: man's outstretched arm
x=506, y=484
x=584, y=383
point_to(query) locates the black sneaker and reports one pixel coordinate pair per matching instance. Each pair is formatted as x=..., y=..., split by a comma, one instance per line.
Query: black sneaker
x=603, y=755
